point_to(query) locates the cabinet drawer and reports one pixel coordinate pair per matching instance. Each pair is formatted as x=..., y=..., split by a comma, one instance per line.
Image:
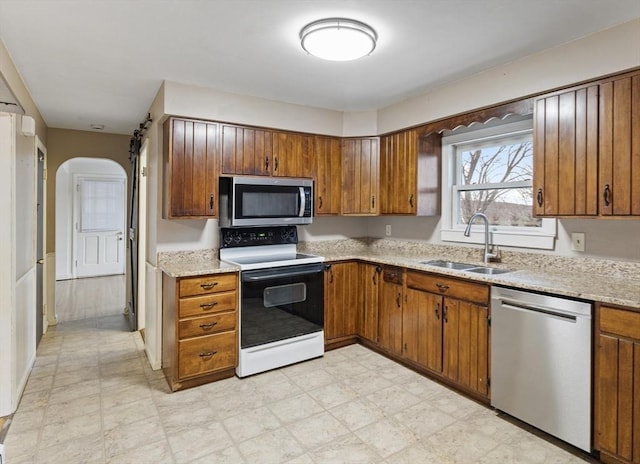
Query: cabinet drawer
x=620, y=322
x=199, y=326
x=205, y=354
x=207, y=304
x=460, y=289
x=207, y=284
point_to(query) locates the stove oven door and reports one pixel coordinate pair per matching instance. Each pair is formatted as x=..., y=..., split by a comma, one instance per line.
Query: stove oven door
x=281, y=303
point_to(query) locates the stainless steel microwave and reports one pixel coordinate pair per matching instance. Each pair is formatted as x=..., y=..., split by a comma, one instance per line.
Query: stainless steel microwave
x=258, y=201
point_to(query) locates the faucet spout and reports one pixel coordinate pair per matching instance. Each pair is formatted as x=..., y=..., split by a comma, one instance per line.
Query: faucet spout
x=467, y=233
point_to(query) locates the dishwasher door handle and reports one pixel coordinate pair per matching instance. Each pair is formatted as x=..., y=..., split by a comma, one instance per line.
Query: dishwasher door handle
x=538, y=309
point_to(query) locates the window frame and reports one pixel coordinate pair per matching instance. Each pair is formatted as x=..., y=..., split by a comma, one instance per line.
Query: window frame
x=512, y=236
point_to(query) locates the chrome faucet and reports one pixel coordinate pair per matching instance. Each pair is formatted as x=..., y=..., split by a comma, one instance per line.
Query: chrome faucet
x=467, y=233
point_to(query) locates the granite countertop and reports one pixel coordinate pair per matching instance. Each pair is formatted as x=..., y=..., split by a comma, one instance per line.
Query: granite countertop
x=605, y=281
x=612, y=290
x=193, y=263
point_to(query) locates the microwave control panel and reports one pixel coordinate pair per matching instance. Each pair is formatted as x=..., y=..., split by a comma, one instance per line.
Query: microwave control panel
x=253, y=236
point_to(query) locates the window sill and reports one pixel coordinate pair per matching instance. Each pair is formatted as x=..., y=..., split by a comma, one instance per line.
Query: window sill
x=517, y=239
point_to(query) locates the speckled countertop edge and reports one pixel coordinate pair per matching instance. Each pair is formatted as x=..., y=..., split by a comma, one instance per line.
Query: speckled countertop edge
x=193, y=263
x=605, y=281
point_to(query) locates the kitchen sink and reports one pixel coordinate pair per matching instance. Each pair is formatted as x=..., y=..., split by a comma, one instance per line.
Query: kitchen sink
x=487, y=270
x=449, y=264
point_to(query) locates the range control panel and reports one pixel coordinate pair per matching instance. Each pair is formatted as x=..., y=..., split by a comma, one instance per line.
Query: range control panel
x=253, y=236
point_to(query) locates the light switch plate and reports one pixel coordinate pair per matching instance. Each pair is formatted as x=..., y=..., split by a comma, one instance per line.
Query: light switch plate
x=387, y=229
x=577, y=241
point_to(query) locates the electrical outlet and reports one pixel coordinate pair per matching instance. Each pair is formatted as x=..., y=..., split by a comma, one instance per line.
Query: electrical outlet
x=577, y=241
x=387, y=229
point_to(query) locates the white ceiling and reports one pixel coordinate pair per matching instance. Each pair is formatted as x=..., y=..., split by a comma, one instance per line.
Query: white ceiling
x=102, y=61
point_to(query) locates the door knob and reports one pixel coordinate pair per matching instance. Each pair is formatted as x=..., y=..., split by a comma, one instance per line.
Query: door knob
x=40, y=261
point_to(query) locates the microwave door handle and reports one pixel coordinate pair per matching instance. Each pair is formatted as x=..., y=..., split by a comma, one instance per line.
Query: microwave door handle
x=302, y=202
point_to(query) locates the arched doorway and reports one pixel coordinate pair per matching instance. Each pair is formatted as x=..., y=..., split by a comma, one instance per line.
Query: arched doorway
x=90, y=212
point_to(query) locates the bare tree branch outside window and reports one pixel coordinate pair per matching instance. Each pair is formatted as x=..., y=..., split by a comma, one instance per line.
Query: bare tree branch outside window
x=484, y=185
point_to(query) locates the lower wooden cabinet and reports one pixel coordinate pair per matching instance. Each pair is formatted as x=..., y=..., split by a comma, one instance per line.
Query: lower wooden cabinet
x=446, y=329
x=390, y=310
x=617, y=385
x=422, y=329
x=199, y=329
x=340, y=302
x=369, y=289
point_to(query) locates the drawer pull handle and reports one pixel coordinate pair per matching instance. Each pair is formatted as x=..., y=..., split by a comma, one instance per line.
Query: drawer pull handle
x=209, y=286
x=207, y=354
x=442, y=287
x=210, y=325
x=206, y=306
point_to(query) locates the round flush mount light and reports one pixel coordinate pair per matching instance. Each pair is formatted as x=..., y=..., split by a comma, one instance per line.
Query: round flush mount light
x=97, y=126
x=338, y=39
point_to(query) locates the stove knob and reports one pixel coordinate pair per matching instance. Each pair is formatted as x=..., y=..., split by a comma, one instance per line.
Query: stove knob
x=227, y=238
x=237, y=237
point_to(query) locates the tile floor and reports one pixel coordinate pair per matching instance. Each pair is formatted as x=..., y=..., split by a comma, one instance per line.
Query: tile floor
x=92, y=398
x=90, y=297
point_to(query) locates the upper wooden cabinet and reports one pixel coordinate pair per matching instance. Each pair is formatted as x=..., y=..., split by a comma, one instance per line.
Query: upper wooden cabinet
x=327, y=173
x=246, y=150
x=360, y=176
x=587, y=150
x=620, y=146
x=410, y=173
x=292, y=154
x=192, y=166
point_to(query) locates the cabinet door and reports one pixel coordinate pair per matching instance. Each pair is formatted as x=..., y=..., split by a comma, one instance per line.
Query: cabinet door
x=390, y=313
x=246, y=150
x=398, y=167
x=327, y=164
x=360, y=176
x=370, y=275
x=292, y=155
x=340, y=300
x=620, y=146
x=466, y=345
x=422, y=328
x=192, y=160
x=617, y=384
x=565, y=170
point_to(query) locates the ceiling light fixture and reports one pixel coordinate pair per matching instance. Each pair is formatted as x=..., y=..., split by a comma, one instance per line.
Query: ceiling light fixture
x=338, y=39
x=97, y=126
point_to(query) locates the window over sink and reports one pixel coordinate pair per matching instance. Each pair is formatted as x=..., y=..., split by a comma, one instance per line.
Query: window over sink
x=490, y=170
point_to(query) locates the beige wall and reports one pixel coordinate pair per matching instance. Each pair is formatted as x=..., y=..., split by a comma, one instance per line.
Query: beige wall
x=64, y=144
x=602, y=53
x=19, y=89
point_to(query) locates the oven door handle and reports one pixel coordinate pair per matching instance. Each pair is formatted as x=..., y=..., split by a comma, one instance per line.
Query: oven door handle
x=271, y=275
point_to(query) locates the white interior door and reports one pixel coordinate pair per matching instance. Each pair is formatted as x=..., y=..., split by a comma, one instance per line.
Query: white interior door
x=99, y=223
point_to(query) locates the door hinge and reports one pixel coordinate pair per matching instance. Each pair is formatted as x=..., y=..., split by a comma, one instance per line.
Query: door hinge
x=143, y=172
x=76, y=263
x=44, y=174
x=489, y=321
x=488, y=382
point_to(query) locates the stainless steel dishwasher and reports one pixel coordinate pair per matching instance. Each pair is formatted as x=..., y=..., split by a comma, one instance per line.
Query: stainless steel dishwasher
x=541, y=362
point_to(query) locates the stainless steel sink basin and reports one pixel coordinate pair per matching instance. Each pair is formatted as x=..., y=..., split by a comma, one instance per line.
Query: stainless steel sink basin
x=449, y=264
x=488, y=270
